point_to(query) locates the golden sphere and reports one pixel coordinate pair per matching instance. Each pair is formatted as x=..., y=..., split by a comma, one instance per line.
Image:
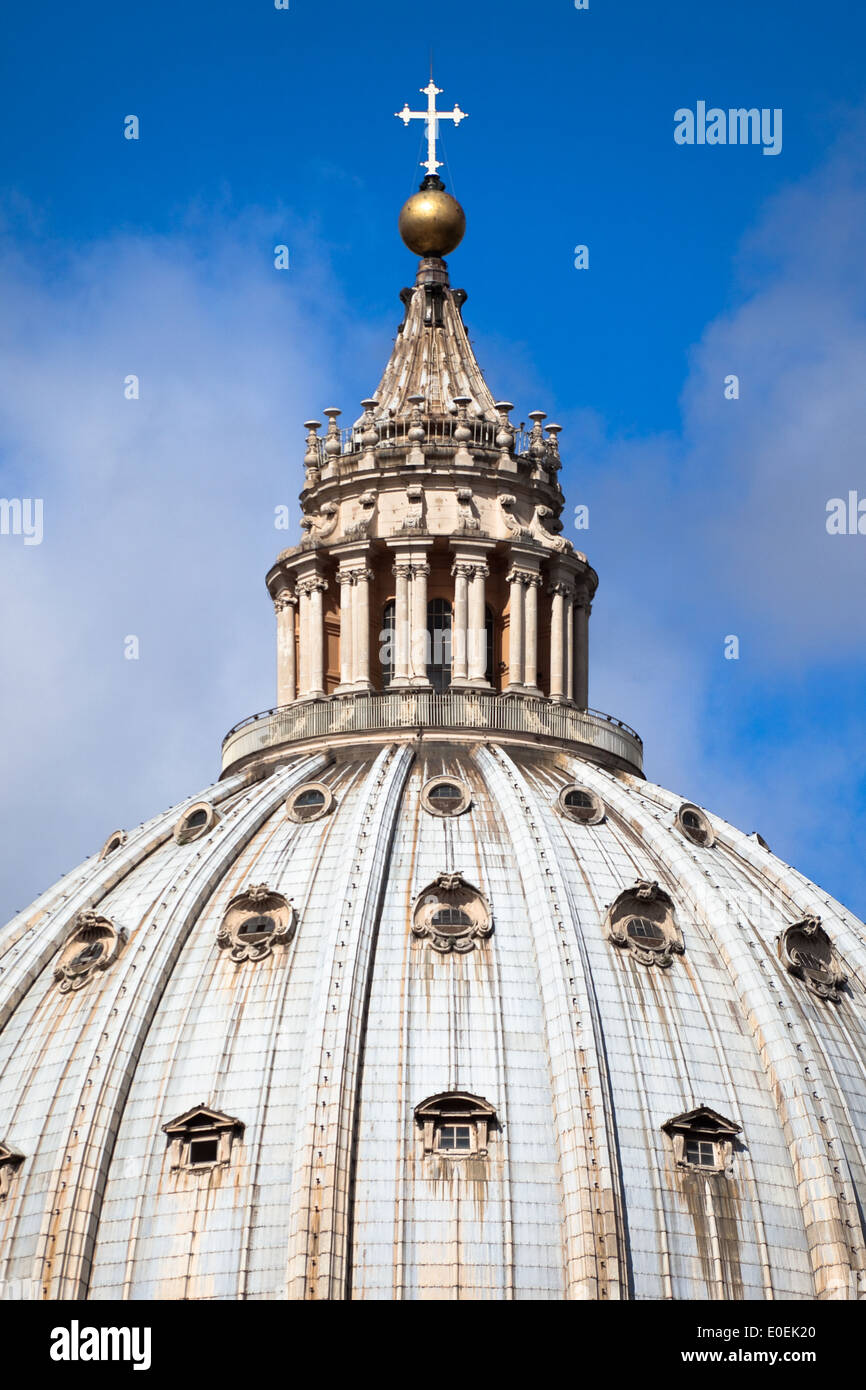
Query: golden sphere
x=432, y=223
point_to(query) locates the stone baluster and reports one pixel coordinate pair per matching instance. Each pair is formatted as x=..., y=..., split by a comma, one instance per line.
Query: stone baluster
x=285, y=604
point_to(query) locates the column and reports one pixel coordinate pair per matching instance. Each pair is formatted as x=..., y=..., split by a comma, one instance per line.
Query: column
x=347, y=644
x=418, y=638
x=460, y=624
x=582, y=610
x=569, y=643
x=285, y=604
x=530, y=661
x=516, y=655
x=362, y=579
x=303, y=638
x=316, y=636
x=401, y=624
x=557, y=641
x=477, y=627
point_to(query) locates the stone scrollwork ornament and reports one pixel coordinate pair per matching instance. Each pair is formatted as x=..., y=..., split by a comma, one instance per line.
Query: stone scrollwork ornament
x=452, y=915
x=254, y=922
x=92, y=945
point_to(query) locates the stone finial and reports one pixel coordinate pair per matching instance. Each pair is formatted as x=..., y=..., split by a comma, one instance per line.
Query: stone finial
x=462, y=430
x=312, y=458
x=553, y=432
x=537, y=443
x=505, y=432
x=369, y=429
x=333, y=445
x=417, y=433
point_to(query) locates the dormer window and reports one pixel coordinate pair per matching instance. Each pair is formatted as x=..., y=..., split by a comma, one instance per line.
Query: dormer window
x=452, y=915
x=582, y=805
x=445, y=796
x=455, y=1124
x=202, y=1139
x=642, y=921
x=702, y=1140
x=92, y=945
x=255, y=922
x=310, y=802
x=808, y=953
x=195, y=822
x=114, y=841
x=10, y=1161
x=694, y=825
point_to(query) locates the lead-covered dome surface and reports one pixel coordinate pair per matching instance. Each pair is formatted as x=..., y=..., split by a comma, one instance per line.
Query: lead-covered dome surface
x=446, y=1060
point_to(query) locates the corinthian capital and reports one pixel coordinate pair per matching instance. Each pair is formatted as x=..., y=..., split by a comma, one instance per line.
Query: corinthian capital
x=284, y=600
x=311, y=584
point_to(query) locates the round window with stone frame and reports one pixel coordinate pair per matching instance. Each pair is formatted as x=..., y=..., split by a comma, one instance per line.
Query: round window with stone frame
x=255, y=922
x=642, y=921
x=445, y=796
x=116, y=839
x=809, y=954
x=580, y=804
x=196, y=821
x=310, y=802
x=452, y=915
x=692, y=822
x=91, y=946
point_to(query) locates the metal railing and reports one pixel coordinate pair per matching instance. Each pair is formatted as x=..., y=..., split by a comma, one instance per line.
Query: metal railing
x=455, y=710
x=438, y=430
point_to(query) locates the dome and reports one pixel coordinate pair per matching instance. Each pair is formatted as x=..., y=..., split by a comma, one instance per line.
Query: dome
x=319, y=1044
x=432, y=994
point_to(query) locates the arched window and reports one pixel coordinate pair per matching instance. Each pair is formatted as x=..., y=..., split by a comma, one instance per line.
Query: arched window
x=641, y=920
x=439, y=639
x=387, y=640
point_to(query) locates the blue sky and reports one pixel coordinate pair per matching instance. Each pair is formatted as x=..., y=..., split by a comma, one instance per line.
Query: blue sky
x=261, y=126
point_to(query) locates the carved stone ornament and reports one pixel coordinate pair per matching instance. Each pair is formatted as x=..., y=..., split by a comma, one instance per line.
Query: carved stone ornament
x=255, y=922
x=10, y=1161
x=360, y=528
x=641, y=920
x=807, y=952
x=92, y=945
x=317, y=526
x=540, y=531
x=466, y=518
x=452, y=915
x=507, y=502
